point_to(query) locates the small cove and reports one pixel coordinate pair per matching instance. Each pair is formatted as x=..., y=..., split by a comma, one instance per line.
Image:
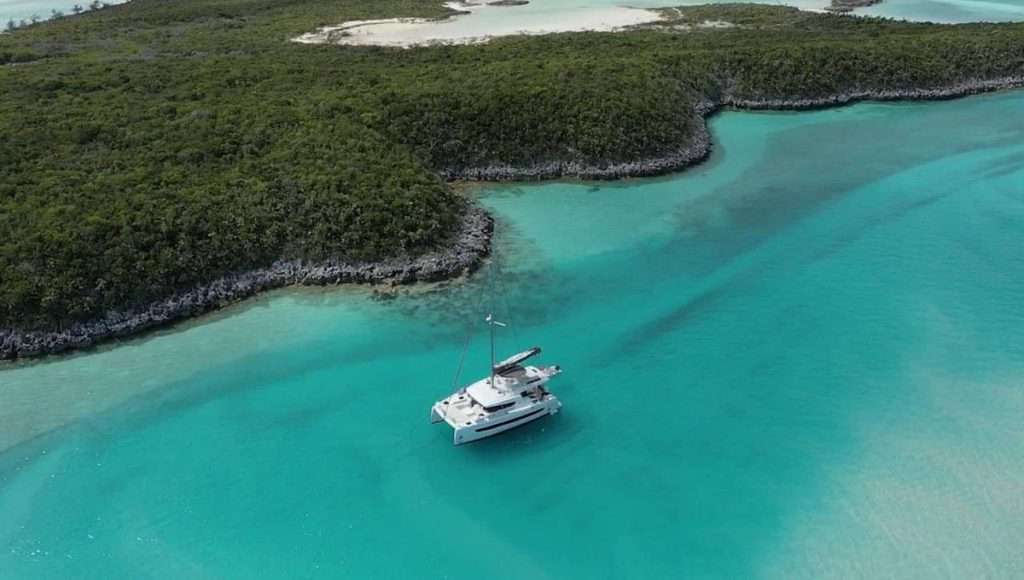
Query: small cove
x=480, y=20
x=598, y=14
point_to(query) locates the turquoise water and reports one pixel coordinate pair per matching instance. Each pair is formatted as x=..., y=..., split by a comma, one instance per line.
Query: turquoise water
x=25, y=9
x=803, y=359
x=930, y=10
x=949, y=11
x=543, y=15
x=541, y=10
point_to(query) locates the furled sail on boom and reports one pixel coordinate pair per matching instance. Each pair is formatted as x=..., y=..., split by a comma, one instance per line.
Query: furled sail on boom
x=515, y=360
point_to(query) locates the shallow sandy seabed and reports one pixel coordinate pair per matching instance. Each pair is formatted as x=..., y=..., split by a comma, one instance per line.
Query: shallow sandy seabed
x=478, y=22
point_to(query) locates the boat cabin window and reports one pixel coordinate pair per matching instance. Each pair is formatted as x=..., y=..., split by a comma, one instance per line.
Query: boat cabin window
x=499, y=407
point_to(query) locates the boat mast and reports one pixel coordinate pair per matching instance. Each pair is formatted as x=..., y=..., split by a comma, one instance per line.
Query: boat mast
x=492, y=323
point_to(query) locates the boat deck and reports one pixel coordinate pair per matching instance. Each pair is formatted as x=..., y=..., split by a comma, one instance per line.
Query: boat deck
x=459, y=410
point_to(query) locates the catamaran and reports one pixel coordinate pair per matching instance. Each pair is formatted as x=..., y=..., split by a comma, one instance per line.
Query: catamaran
x=512, y=396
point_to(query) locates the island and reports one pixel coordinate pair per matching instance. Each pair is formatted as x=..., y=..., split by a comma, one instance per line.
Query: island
x=842, y=6
x=162, y=159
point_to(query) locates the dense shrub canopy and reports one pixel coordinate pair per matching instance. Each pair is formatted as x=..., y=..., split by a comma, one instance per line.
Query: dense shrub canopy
x=156, y=145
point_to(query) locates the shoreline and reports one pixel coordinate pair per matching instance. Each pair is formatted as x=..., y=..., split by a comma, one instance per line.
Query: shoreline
x=955, y=91
x=694, y=152
x=471, y=245
x=472, y=242
x=51, y=12
x=409, y=32
x=701, y=143
x=848, y=6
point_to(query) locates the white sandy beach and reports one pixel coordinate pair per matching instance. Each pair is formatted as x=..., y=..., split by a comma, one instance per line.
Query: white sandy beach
x=482, y=22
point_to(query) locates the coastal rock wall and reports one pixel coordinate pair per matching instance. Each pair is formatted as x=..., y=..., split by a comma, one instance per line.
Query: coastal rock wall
x=962, y=89
x=845, y=6
x=699, y=146
x=471, y=245
x=689, y=154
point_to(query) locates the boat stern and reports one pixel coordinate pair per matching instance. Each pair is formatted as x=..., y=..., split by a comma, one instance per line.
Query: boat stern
x=444, y=411
x=435, y=414
x=463, y=435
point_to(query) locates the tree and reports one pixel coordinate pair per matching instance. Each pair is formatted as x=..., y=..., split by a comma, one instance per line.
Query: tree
x=35, y=19
x=55, y=14
x=11, y=25
x=94, y=5
x=77, y=9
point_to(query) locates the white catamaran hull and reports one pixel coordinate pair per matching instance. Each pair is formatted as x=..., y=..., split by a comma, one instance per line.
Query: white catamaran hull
x=482, y=430
x=513, y=395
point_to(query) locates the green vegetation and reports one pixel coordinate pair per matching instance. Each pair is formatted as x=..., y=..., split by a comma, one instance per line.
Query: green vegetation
x=156, y=145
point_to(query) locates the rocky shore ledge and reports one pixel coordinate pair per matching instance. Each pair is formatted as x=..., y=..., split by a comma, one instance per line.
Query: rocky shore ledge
x=845, y=6
x=690, y=154
x=963, y=89
x=471, y=245
x=699, y=147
